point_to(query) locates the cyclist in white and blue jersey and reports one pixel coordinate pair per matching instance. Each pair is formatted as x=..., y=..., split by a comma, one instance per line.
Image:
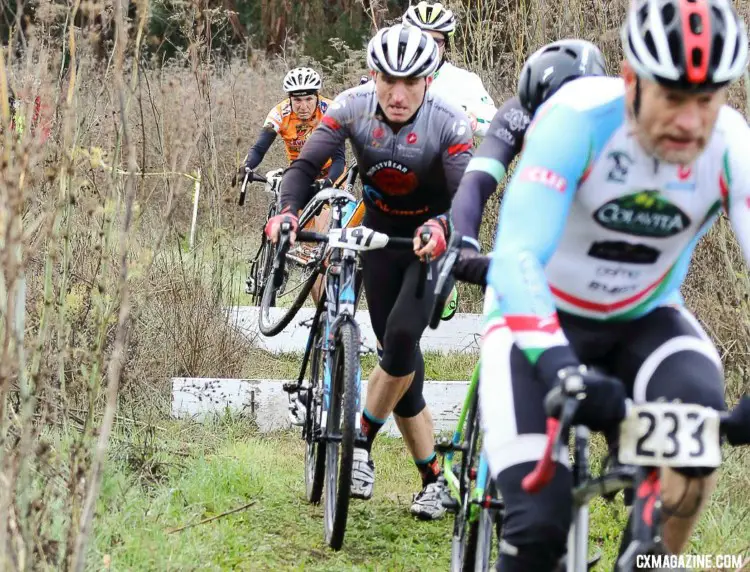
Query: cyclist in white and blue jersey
x=618, y=181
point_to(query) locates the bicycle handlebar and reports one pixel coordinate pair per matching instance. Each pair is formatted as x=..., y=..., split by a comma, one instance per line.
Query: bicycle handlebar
x=311, y=236
x=445, y=282
x=249, y=176
x=561, y=405
x=562, y=402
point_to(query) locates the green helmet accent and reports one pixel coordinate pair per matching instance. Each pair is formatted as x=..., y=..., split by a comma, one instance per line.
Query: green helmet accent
x=431, y=18
x=449, y=310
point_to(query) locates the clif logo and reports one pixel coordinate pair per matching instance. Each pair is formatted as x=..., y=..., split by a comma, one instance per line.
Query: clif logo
x=545, y=177
x=378, y=132
x=411, y=138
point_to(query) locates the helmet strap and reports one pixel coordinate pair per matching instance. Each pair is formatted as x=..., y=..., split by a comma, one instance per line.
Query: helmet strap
x=637, y=98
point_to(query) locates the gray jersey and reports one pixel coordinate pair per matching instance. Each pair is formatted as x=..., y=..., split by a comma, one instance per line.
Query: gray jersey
x=408, y=176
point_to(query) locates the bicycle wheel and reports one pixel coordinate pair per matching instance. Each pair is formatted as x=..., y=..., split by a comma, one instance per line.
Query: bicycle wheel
x=277, y=309
x=262, y=270
x=342, y=415
x=488, y=527
x=463, y=543
x=315, y=450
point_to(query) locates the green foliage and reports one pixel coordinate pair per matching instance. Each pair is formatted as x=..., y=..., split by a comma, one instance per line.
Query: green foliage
x=226, y=465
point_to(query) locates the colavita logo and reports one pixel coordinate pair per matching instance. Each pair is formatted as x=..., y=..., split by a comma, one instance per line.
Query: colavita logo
x=642, y=214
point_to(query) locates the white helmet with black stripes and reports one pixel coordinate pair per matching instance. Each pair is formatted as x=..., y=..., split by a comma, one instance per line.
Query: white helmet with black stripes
x=403, y=51
x=302, y=81
x=431, y=17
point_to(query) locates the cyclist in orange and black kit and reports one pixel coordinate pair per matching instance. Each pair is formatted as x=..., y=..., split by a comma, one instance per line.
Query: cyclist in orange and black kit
x=294, y=120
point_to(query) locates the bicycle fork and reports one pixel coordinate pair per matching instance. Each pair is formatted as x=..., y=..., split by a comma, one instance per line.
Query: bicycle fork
x=578, y=535
x=457, y=443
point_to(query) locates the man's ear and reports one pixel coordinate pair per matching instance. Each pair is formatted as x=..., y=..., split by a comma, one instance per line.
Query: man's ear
x=630, y=79
x=627, y=73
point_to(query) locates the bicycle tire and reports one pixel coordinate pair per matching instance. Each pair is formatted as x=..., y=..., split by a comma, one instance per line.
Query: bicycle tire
x=315, y=450
x=263, y=272
x=261, y=266
x=342, y=413
x=488, y=526
x=463, y=543
x=266, y=324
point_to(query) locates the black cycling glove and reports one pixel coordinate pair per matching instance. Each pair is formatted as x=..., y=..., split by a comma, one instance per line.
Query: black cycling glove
x=601, y=399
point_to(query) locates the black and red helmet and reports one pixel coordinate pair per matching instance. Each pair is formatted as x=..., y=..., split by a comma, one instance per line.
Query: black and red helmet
x=686, y=44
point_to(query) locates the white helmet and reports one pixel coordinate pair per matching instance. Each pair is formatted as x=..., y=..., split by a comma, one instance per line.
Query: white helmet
x=302, y=81
x=431, y=17
x=685, y=44
x=403, y=51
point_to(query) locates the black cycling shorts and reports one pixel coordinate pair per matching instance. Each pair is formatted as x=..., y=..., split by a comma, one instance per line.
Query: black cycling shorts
x=398, y=317
x=665, y=354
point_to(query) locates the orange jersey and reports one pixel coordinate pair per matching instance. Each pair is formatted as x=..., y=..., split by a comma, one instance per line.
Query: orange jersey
x=292, y=129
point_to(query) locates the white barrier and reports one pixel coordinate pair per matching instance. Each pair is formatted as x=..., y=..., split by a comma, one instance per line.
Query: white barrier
x=460, y=334
x=266, y=401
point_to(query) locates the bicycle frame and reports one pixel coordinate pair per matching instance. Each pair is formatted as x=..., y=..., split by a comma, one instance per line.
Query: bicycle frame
x=578, y=535
x=339, y=288
x=458, y=443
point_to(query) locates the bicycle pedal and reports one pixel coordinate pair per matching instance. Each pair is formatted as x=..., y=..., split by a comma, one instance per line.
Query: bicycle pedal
x=450, y=504
x=307, y=323
x=291, y=387
x=444, y=445
x=490, y=503
x=250, y=286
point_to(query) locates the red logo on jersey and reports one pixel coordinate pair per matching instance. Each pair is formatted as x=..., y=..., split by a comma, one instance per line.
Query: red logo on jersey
x=459, y=148
x=378, y=132
x=545, y=177
x=392, y=178
x=411, y=138
x=683, y=172
x=329, y=121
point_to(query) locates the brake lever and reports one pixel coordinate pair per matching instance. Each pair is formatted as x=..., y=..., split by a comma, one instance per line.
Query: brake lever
x=443, y=285
x=278, y=263
x=243, y=189
x=425, y=238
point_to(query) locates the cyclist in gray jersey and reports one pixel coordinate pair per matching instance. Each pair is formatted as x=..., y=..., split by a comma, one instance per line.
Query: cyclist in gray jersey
x=412, y=148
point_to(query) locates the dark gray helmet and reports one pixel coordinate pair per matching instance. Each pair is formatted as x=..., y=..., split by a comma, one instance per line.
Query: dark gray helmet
x=553, y=65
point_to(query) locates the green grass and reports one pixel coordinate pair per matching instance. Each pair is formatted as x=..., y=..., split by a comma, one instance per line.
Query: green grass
x=280, y=531
x=193, y=472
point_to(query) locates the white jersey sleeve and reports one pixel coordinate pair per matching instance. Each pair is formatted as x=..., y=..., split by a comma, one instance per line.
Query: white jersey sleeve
x=736, y=183
x=466, y=89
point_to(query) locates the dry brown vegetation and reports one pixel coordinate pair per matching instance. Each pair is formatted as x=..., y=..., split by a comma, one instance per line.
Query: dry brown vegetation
x=100, y=296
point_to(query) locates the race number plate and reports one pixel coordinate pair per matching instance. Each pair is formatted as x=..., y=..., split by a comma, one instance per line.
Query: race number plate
x=357, y=238
x=670, y=434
